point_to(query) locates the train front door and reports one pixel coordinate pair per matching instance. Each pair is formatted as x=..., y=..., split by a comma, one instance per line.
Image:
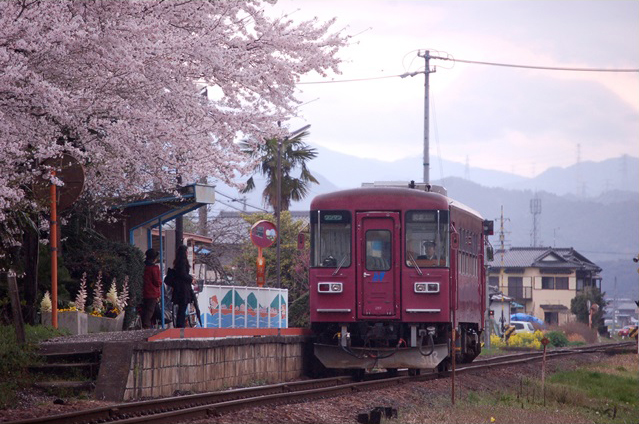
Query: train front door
x=378, y=235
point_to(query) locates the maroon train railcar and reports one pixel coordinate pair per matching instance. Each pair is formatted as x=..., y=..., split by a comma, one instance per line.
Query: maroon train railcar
x=392, y=272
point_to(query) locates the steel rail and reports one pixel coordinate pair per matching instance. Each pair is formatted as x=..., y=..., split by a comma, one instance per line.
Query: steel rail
x=215, y=403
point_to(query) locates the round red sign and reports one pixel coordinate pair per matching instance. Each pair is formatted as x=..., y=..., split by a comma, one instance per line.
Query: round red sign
x=263, y=233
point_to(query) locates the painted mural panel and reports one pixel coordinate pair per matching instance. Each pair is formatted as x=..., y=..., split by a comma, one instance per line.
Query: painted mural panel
x=243, y=307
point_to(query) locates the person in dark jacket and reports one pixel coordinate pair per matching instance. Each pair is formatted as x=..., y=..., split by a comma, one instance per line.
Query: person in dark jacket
x=151, y=289
x=182, y=285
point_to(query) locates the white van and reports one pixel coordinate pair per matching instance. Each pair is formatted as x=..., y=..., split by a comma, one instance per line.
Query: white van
x=523, y=327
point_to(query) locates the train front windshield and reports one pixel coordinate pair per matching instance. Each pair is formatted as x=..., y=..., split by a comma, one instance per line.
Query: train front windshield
x=331, y=239
x=427, y=238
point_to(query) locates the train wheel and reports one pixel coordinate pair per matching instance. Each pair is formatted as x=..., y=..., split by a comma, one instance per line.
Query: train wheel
x=444, y=365
x=392, y=372
x=414, y=371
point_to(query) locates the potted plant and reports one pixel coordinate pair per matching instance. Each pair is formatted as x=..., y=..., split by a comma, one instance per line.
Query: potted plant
x=73, y=318
x=108, y=313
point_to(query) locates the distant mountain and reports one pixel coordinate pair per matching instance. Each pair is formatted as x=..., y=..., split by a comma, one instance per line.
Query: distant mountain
x=588, y=179
x=604, y=229
x=625, y=273
x=600, y=231
x=346, y=171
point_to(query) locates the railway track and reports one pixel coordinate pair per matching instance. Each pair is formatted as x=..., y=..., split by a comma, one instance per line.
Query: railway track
x=203, y=405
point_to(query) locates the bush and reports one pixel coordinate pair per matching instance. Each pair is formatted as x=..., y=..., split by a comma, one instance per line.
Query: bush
x=527, y=340
x=88, y=251
x=299, y=312
x=15, y=359
x=557, y=338
x=579, y=332
x=496, y=341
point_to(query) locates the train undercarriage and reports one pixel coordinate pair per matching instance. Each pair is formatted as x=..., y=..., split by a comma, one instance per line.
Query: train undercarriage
x=393, y=345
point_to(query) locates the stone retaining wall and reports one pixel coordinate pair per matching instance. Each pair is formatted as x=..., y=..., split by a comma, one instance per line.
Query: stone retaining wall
x=161, y=368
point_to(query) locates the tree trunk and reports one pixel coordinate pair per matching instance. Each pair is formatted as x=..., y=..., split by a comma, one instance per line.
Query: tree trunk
x=31, y=258
x=15, y=306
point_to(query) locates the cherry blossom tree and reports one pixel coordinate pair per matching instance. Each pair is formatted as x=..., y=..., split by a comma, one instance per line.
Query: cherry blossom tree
x=120, y=84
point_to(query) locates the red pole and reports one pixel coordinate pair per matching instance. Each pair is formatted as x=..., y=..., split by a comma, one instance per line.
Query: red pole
x=261, y=266
x=543, y=375
x=54, y=254
x=454, y=353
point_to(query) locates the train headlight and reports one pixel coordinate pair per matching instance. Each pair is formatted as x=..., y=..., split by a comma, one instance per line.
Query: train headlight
x=329, y=287
x=426, y=287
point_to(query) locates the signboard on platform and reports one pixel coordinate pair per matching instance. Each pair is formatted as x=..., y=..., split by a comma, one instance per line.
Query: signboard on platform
x=243, y=307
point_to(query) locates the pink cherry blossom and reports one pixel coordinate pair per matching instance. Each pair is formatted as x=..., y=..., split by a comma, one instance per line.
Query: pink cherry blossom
x=119, y=85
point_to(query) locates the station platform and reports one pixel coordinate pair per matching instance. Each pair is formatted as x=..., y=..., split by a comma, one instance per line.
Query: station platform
x=203, y=333
x=146, y=364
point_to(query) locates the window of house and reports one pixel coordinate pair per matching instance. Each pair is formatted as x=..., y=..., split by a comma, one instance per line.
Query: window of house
x=516, y=287
x=551, y=318
x=493, y=281
x=561, y=283
x=548, y=283
x=554, y=283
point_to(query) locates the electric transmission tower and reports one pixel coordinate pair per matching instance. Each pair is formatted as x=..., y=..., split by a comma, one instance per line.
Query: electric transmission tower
x=502, y=235
x=535, y=210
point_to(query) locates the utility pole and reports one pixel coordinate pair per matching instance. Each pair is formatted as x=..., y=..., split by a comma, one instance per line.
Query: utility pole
x=279, y=209
x=426, y=55
x=614, y=310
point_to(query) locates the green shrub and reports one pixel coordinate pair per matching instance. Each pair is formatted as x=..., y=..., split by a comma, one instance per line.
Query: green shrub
x=88, y=251
x=299, y=315
x=15, y=359
x=557, y=338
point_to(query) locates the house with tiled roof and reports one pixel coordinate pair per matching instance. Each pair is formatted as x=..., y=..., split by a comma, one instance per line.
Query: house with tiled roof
x=543, y=279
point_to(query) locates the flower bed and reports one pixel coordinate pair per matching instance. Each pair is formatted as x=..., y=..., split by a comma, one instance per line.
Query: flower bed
x=73, y=321
x=98, y=324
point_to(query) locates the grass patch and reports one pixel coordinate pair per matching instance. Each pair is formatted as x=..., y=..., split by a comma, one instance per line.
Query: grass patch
x=491, y=351
x=15, y=359
x=609, y=387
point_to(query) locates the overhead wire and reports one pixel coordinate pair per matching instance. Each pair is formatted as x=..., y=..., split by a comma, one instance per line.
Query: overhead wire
x=240, y=201
x=545, y=68
x=477, y=62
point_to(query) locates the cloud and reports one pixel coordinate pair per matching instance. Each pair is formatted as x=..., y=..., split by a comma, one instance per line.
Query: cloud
x=508, y=119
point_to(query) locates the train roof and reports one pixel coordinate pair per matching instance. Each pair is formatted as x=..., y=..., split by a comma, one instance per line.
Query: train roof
x=370, y=198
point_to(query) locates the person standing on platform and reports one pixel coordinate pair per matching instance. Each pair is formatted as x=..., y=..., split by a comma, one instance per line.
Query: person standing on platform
x=152, y=287
x=182, y=286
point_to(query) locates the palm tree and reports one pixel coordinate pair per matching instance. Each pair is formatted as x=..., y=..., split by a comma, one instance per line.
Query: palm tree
x=295, y=154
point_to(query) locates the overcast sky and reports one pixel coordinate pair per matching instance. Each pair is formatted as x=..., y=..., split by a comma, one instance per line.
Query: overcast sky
x=515, y=120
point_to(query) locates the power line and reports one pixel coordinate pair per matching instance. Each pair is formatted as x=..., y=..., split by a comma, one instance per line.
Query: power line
x=239, y=201
x=477, y=62
x=349, y=80
x=229, y=205
x=546, y=68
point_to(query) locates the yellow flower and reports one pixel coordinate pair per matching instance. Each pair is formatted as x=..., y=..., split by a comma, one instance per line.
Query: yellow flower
x=492, y=419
